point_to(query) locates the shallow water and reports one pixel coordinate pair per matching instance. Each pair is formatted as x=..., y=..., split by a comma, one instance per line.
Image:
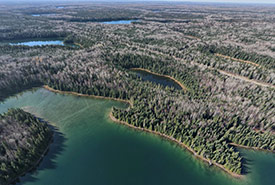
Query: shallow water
x=156, y=79
x=91, y=149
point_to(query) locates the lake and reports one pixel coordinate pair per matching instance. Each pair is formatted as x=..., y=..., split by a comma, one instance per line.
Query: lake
x=43, y=14
x=164, y=81
x=38, y=43
x=120, y=22
x=91, y=149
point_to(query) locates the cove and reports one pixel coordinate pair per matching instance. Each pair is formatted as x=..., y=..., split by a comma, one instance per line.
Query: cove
x=91, y=149
x=164, y=81
x=120, y=22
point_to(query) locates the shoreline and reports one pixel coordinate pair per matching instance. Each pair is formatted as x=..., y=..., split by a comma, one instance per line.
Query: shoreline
x=238, y=60
x=86, y=95
x=154, y=132
x=251, y=147
x=146, y=130
x=171, y=78
x=35, y=165
x=176, y=141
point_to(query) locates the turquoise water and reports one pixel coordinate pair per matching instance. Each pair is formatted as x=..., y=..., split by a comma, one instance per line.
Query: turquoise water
x=120, y=22
x=39, y=43
x=91, y=149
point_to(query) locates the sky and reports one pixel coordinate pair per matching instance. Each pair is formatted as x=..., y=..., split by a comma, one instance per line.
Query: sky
x=236, y=1
x=216, y=1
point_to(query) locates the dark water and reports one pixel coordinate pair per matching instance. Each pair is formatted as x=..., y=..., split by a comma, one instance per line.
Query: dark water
x=157, y=79
x=39, y=43
x=120, y=22
x=91, y=149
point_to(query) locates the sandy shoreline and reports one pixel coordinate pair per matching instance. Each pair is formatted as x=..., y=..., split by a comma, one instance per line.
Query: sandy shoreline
x=171, y=78
x=146, y=130
x=86, y=95
x=176, y=141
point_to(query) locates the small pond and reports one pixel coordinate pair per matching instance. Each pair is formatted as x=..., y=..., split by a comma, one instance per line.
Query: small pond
x=164, y=81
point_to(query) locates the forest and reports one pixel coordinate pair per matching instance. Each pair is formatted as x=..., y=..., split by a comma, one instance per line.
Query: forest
x=24, y=139
x=227, y=101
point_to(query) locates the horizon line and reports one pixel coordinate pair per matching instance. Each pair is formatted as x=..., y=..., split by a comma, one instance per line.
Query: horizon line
x=134, y=1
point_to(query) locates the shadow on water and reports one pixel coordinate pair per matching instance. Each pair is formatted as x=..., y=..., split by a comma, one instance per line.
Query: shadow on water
x=246, y=166
x=246, y=162
x=48, y=162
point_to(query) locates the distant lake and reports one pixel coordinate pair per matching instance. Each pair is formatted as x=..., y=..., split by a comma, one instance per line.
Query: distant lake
x=120, y=22
x=44, y=14
x=39, y=43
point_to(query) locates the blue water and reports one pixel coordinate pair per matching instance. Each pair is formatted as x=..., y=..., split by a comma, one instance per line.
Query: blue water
x=43, y=14
x=39, y=43
x=120, y=22
x=90, y=149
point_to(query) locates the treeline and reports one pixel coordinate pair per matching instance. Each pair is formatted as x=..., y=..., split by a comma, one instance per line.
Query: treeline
x=24, y=139
x=18, y=35
x=208, y=136
x=18, y=86
x=99, y=15
x=205, y=139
